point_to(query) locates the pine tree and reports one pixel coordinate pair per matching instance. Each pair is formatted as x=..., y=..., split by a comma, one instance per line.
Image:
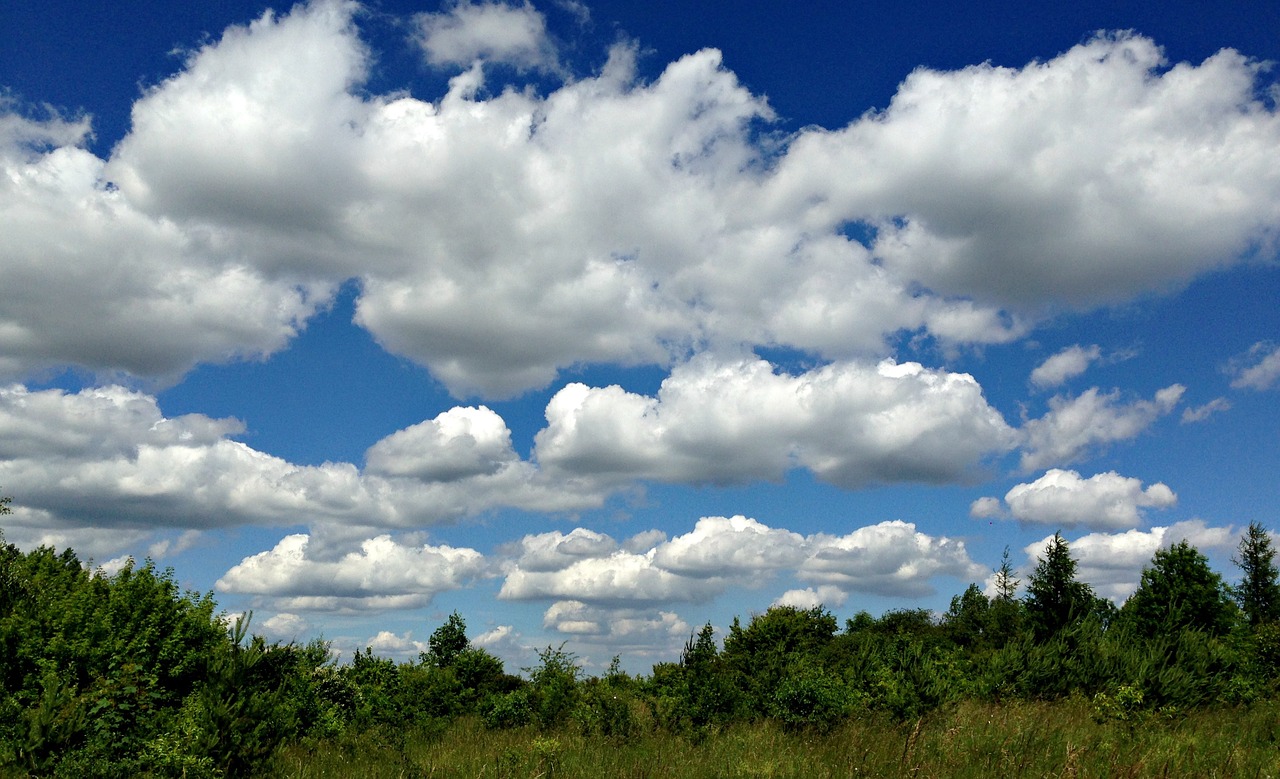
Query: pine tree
x=1258, y=593
x=1179, y=591
x=1054, y=598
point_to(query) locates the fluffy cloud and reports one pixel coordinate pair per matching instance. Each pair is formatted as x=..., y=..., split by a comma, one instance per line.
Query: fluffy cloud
x=1074, y=426
x=493, y=32
x=1104, y=501
x=891, y=558
x=1087, y=177
x=108, y=457
x=459, y=443
x=735, y=421
x=1066, y=364
x=499, y=239
x=1112, y=563
x=1257, y=369
x=808, y=598
x=382, y=574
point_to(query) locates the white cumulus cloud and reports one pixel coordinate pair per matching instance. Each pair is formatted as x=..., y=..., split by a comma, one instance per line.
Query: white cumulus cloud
x=737, y=421
x=1066, y=364
x=1104, y=501
x=382, y=573
x=1075, y=426
x=489, y=31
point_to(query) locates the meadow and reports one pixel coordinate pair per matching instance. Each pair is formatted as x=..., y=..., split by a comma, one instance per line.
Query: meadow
x=124, y=675
x=971, y=739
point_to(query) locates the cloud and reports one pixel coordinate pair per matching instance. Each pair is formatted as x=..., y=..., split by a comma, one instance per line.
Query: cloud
x=986, y=508
x=1089, y=177
x=1074, y=426
x=890, y=558
x=1064, y=365
x=1201, y=413
x=108, y=457
x=1104, y=501
x=458, y=443
x=500, y=235
x=381, y=574
x=1112, y=563
x=488, y=31
x=1257, y=369
x=737, y=421
x=808, y=598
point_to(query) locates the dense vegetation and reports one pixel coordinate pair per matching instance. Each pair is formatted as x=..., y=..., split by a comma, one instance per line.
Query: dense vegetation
x=124, y=675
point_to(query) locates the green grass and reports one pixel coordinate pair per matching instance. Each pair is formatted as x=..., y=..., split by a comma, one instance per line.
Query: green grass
x=970, y=740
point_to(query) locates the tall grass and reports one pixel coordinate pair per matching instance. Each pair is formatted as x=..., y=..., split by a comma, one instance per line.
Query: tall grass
x=1017, y=739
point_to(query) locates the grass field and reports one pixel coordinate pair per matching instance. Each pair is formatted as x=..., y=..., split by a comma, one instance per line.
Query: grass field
x=969, y=740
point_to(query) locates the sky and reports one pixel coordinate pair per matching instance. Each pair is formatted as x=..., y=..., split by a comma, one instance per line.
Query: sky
x=597, y=322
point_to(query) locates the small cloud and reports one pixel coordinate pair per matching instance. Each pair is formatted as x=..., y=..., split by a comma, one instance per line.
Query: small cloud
x=1201, y=413
x=1257, y=369
x=1074, y=426
x=1066, y=364
x=1105, y=501
x=490, y=31
x=808, y=598
x=986, y=508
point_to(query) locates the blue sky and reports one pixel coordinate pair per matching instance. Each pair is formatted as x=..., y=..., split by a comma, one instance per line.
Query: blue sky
x=599, y=321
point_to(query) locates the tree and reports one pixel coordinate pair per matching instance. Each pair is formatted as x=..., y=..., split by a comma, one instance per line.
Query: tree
x=1179, y=591
x=968, y=619
x=1054, y=598
x=1258, y=594
x=1006, y=584
x=447, y=642
x=1005, y=618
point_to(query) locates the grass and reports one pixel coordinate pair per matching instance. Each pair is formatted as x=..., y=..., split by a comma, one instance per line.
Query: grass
x=1019, y=739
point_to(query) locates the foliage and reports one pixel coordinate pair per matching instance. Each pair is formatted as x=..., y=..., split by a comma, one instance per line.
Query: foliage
x=1179, y=591
x=1258, y=593
x=124, y=675
x=1055, y=598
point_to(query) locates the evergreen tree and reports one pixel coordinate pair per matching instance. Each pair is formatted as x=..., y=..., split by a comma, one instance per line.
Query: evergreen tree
x=1179, y=591
x=1054, y=598
x=1258, y=593
x=1005, y=618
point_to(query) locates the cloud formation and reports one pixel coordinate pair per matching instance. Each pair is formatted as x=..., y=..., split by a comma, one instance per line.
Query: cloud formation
x=382, y=574
x=500, y=235
x=890, y=558
x=108, y=458
x=739, y=421
x=1258, y=369
x=1104, y=501
x=1073, y=427
x=490, y=32
x=1066, y=364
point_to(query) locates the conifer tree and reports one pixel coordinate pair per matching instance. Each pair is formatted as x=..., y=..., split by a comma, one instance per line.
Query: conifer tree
x=1054, y=598
x=1179, y=591
x=1259, y=593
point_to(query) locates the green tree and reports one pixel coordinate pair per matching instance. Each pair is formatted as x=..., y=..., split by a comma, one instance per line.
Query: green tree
x=1179, y=591
x=447, y=642
x=1054, y=597
x=968, y=621
x=763, y=653
x=1258, y=594
x=1005, y=617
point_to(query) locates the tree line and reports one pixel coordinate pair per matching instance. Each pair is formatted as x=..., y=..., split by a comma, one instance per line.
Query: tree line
x=125, y=675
